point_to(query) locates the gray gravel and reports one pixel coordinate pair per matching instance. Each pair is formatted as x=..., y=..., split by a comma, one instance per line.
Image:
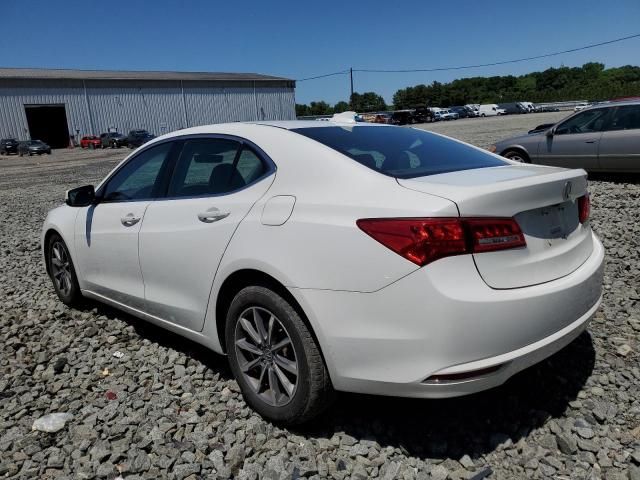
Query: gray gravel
x=168, y=408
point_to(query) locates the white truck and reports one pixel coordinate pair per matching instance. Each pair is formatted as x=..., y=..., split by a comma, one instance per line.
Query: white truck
x=490, y=109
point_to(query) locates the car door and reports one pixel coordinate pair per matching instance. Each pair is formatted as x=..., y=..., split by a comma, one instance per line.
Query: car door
x=574, y=142
x=106, y=233
x=620, y=143
x=214, y=184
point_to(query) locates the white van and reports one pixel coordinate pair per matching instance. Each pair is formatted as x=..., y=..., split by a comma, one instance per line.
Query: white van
x=490, y=109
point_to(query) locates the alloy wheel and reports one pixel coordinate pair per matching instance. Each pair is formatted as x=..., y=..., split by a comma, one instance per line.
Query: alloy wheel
x=61, y=268
x=266, y=356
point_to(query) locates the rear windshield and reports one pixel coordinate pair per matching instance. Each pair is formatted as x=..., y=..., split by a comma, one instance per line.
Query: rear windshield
x=401, y=152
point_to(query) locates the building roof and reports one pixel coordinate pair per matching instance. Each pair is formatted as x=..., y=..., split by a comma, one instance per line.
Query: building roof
x=65, y=74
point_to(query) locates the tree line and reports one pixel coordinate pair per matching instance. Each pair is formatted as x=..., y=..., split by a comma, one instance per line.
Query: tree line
x=589, y=82
x=359, y=102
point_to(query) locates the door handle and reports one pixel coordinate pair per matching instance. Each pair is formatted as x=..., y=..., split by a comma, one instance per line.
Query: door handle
x=129, y=220
x=591, y=141
x=212, y=215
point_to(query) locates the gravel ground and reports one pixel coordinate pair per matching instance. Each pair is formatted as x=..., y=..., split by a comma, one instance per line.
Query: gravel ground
x=167, y=408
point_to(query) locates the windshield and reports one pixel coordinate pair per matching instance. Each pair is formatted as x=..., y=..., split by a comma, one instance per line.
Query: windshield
x=401, y=152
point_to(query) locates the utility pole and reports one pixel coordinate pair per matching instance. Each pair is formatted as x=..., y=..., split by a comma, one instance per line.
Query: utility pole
x=351, y=76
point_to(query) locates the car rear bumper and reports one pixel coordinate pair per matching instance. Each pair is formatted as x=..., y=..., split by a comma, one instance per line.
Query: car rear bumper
x=443, y=320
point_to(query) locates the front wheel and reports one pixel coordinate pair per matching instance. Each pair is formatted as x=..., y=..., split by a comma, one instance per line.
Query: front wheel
x=517, y=156
x=274, y=358
x=62, y=271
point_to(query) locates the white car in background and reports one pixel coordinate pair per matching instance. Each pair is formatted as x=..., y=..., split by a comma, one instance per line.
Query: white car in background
x=324, y=256
x=490, y=110
x=581, y=106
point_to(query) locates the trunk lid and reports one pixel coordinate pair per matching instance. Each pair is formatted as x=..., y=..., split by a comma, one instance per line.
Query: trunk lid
x=543, y=200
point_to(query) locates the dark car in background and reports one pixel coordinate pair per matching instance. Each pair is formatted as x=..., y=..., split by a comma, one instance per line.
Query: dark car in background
x=8, y=145
x=422, y=115
x=462, y=112
x=137, y=138
x=513, y=108
x=33, y=147
x=402, y=117
x=113, y=140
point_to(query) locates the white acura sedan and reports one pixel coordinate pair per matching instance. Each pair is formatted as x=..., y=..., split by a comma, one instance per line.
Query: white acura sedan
x=323, y=256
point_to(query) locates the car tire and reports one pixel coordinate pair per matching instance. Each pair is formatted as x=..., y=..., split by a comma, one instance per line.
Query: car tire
x=267, y=339
x=62, y=272
x=517, y=156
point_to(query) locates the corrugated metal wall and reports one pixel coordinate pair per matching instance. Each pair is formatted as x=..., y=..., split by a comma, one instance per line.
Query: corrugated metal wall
x=160, y=106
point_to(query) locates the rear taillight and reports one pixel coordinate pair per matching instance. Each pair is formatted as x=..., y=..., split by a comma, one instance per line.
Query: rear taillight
x=493, y=234
x=424, y=240
x=584, y=208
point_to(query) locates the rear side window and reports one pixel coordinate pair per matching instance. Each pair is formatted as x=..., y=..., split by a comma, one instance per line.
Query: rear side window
x=626, y=118
x=204, y=167
x=401, y=152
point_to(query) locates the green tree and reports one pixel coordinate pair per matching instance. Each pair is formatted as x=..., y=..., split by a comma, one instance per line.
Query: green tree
x=320, y=108
x=340, y=107
x=302, y=110
x=367, y=102
x=591, y=82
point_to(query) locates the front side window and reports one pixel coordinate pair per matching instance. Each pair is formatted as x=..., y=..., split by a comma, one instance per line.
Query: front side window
x=401, y=152
x=589, y=121
x=626, y=118
x=139, y=178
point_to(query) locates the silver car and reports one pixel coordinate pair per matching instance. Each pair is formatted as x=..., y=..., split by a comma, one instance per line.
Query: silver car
x=601, y=138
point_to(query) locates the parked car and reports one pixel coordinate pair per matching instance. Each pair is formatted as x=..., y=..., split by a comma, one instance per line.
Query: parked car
x=528, y=106
x=402, y=117
x=602, y=138
x=90, y=141
x=329, y=276
x=581, y=106
x=445, y=114
x=113, y=140
x=33, y=147
x=384, y=118
x=422, y=115
x=137, y=138
x=8, y=145
x=462, y=112
x=513, y=108
x=490, y=109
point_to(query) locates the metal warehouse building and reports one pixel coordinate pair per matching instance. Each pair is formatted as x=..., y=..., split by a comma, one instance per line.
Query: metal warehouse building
x=51, y=105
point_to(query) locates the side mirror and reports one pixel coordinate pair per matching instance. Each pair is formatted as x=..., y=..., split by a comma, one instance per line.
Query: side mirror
x=551, y=132
x=80, y=197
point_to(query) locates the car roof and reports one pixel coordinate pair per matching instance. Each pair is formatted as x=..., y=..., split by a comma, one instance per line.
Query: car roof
x=293, y=124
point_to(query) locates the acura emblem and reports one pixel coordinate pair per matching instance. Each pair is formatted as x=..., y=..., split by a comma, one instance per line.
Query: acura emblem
x=566, y=191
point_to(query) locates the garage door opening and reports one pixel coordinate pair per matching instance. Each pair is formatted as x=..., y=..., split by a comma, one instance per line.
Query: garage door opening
x=49, y=124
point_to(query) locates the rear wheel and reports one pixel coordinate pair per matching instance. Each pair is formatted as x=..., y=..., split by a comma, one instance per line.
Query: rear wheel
x=274, y=358
x=517, y=156
x=62, y=271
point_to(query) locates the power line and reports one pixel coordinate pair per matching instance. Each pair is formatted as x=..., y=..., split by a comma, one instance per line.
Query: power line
x=342, y=72
x=546, y=55
x=463, y=67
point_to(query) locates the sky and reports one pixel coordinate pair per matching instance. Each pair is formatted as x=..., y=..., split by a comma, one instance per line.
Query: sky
x=298, y=39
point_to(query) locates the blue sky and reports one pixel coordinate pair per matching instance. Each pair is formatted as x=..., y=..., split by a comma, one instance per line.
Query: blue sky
x=306, y=38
